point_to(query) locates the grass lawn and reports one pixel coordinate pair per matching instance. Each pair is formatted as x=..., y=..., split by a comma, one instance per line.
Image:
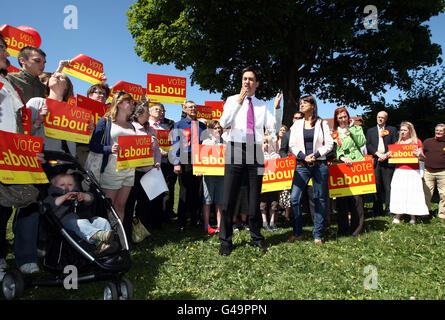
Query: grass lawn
x=407, y=261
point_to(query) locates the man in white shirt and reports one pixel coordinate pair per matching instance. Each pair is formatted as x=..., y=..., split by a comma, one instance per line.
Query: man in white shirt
x=247, y=118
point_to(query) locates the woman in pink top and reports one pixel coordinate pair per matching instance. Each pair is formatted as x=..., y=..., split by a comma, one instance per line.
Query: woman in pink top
x=407, y=196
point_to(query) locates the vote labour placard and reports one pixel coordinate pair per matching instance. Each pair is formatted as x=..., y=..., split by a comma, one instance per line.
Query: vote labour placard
x=66, y=122
x=217, y=108
x=278, y=174
x=164, y=139
x=350, y=181
x=136, y=91
x=135, y=151
x=402, y=153
x=85, y=68
x=209, y=160
x=18, y=162
x=16, y=39
x=168, y=89
x=97, y=108
x=204, y=112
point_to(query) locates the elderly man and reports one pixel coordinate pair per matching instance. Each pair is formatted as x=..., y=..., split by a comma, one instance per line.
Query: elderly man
x=434, y=157
x=377, y=140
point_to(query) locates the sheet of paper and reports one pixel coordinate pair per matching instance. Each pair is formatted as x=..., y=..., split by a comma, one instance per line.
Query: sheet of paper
x=153, y=183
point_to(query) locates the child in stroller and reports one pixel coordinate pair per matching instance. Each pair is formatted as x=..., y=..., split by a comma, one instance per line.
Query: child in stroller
x=72, y=208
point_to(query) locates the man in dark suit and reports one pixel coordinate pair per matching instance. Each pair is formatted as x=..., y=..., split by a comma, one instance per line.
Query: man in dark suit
x=377, y=140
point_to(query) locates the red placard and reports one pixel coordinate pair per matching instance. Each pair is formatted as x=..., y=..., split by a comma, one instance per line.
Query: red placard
x=135, y=151
x=204, y=112
x=168, y=89
x=355, y=180
x=97, y=108
x=402, y=153
x=136, y=91
x=208, y=160
x=18, y=162
x=85, y=68
x=12, y=69
x=278, y=174
x=164, y=139
x=66, y=122
x=16, y=39
x=217, y=108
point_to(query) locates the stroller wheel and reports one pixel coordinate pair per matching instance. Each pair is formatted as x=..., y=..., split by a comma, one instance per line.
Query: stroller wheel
x=110, y=291
x=13, y=285
x=127, y=291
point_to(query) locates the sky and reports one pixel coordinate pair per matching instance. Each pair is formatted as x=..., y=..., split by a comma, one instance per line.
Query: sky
x=102, y=34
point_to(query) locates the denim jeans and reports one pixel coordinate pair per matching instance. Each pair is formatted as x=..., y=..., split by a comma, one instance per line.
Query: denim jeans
x=26, y=231
x=319, y=174
x=85, y=228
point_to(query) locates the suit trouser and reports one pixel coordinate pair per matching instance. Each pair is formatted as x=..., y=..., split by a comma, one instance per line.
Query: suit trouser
x=169, y=198
x=383, y=177
x=190, y=195
x=234, y=170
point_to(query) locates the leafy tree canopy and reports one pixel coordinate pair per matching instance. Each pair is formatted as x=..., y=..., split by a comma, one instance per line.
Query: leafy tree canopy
x=312, y=47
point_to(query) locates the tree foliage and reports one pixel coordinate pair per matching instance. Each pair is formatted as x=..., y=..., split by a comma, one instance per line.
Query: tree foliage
x=301, y=47
x=423, y=105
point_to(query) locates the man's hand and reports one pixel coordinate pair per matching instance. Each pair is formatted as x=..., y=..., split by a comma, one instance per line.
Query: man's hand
x=177, y=169
x=242, y=96
x=62, y=64
x=276, y=103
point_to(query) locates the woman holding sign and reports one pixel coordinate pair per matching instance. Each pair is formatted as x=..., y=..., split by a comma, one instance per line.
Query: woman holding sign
x=349, y=139
x=407, y=195
x=116, y=184
x=148, y=212
x=310, y=141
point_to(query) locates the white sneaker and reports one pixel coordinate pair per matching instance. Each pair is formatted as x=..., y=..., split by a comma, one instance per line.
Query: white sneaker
x=29, y=268
x=396, y=221
x=412, y=221
x=441, y=216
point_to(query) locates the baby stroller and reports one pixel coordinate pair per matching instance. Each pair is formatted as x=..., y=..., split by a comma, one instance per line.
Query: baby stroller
x=66, y=252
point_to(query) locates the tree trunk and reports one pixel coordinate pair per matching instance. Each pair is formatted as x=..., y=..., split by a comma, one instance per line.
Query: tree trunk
x=291, y=94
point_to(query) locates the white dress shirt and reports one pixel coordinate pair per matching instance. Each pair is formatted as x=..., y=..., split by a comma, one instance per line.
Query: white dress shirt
x=10, y=105
x=235, y=116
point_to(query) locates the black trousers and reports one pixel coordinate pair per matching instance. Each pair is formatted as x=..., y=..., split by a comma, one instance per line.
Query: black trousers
x=353, y=204
x=383, y=176
x=239, y=165
x=138, y=204
x=169, y=198
x=190, y=196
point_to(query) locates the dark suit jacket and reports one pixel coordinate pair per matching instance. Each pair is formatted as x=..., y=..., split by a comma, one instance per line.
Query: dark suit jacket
x=372, y=139
x=284, y=149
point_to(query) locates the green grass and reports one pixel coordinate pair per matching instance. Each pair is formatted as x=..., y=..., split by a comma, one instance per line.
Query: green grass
x=170, y=265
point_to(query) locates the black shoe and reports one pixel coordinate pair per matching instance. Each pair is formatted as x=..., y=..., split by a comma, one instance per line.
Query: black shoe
x=225, y=250
x=259, y=244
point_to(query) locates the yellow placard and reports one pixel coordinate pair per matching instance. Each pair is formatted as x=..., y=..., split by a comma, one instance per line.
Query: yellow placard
x=65, y=135
x=352, y=191
x=125, y=164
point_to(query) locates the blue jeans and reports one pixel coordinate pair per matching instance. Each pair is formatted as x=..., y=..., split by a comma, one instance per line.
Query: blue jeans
x=85, y=228
x=26, y=231
x=319, y=174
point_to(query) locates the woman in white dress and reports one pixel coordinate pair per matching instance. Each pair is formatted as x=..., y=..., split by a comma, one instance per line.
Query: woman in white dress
x=407, y=196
